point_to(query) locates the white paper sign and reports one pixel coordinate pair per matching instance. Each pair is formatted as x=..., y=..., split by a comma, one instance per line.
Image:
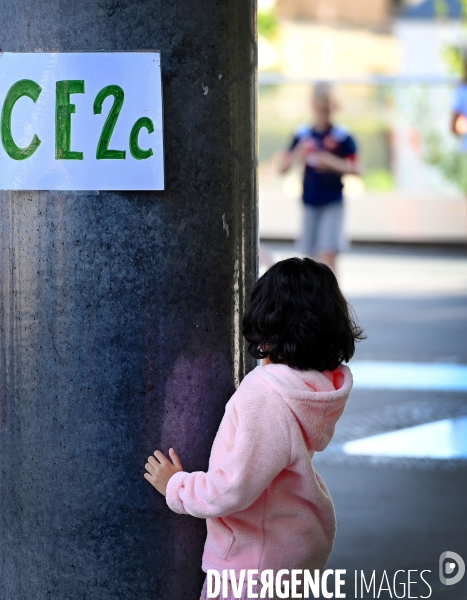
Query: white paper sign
x=81, y=121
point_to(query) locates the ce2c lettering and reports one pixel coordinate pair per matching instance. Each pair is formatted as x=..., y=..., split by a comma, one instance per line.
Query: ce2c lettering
x=64, y=108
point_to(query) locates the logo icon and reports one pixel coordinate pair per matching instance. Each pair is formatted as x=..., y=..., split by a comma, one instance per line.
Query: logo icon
x=448, y=562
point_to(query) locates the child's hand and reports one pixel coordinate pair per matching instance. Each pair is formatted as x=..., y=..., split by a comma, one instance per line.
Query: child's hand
x=304, y=149
x=321, y=161
x=326, y=161
x=160, y=469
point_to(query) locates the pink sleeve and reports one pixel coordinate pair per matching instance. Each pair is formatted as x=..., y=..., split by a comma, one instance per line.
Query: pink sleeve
x=252, y=451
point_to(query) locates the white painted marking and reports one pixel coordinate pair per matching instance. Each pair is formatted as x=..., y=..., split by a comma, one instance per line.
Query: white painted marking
x=409, y=376
x=438, y=440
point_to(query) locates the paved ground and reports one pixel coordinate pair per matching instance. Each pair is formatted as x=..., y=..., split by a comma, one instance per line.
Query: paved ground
x=400, y=513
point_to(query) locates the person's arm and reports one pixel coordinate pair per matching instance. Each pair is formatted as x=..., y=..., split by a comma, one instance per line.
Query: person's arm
x=345, y=164
x=285, y=161
x=326, y=161
x=287, y=158
x=458, y=123
x=259, y=451
x=459, y=109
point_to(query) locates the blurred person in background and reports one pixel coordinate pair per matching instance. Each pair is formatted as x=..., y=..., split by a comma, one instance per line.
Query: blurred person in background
x=327, y=152
x=459, y=109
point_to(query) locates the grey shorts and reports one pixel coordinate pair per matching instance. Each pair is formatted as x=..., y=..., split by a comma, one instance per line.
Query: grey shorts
x=322, y=229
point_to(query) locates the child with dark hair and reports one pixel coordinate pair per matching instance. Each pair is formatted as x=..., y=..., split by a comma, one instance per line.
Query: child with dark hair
x=265, y=505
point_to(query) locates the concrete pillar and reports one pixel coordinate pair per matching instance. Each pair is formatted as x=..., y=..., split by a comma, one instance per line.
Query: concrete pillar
x=120, y=313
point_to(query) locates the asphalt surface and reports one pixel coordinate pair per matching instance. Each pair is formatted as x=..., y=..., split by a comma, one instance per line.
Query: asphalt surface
x=400, y=514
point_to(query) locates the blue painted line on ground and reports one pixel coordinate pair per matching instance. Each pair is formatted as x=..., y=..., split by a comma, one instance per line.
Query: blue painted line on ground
x=390, y=375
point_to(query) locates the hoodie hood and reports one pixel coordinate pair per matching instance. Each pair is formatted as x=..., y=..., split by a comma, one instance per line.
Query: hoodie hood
x=317, y=399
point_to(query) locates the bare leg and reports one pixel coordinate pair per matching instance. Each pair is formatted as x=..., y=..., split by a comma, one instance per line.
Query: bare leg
x=265, y=257
x=329, y=258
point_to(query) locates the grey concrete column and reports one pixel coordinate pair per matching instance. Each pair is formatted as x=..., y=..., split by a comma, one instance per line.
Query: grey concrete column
x=120, y=313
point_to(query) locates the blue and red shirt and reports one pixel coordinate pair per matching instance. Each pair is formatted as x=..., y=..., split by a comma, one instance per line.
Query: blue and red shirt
x=323, y=187
x=460, y=107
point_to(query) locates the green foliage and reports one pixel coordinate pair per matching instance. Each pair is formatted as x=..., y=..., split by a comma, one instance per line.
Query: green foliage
x=268, y=24
x=454, y=59
x=451, y=163
x=453, y=56
x=441, y=8
x=379, y=180
x=436, y=148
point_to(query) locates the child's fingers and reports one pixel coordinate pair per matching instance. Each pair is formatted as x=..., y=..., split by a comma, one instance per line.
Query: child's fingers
x=150, y=469
x=160, y=457
x=150, y=479
x=175, y=459
x=154, y=463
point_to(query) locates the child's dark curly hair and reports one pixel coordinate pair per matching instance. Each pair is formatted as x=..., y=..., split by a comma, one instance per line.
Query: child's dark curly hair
x=298, y=316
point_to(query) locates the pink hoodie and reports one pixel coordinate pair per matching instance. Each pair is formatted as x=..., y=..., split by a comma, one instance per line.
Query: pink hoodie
x=264, y=504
